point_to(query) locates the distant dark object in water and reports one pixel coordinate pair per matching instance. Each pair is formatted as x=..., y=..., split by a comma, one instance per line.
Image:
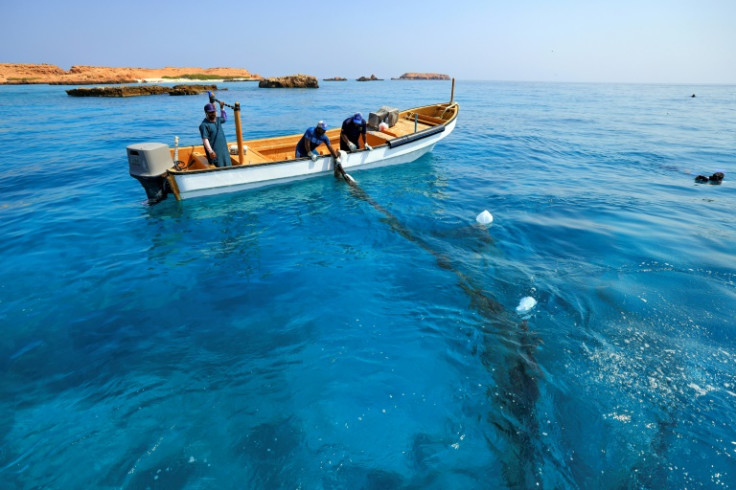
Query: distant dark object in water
x=371, y=78
x=693, y=95
x=716, y=178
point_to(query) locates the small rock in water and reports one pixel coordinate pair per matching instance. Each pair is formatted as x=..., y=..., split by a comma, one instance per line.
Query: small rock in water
x=484, y=218
x=525, y=305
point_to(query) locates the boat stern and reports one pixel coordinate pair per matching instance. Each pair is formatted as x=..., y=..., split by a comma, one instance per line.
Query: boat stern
x=149, y=164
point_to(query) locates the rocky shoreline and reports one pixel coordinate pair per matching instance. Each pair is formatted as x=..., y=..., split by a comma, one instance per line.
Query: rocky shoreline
x=28, y=73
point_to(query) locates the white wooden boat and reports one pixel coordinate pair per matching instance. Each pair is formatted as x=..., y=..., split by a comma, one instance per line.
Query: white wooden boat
x=185, y=172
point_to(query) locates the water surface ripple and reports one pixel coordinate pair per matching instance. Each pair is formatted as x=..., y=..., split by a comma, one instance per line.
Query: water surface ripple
x=314, y=336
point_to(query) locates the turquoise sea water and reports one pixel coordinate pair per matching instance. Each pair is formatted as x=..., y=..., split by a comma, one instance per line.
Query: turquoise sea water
x=313, y=336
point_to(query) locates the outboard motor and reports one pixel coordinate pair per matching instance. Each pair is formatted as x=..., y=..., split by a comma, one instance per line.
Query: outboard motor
x=148, y=163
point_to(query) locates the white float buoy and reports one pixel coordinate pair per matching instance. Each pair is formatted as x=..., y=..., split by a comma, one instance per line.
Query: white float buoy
x=234, y=149
x=484, y=218
x=526, y=305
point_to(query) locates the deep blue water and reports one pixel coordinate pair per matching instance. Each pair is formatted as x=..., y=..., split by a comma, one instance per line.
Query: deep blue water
x=311, y=336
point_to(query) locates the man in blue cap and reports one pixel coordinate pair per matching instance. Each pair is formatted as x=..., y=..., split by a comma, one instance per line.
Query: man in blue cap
x=213, y=137
x=352, y=129
x=313, y=137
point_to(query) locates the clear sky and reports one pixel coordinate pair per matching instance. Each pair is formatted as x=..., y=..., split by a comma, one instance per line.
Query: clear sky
x=651, y=41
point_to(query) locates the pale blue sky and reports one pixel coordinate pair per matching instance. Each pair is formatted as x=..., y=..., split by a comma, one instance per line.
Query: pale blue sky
x=669, y=41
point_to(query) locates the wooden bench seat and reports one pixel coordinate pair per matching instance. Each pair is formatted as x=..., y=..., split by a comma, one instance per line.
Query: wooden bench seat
x=405, y=126
x=251, y=157
x=197, y=161
x=430, y=120
x=378, y=138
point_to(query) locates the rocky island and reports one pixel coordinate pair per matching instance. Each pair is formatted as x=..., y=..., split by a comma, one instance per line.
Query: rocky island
x=137, y=90
x=335, y=79
x=371, y=78
x=290, y=81
x=28, y=73
x=423, y=76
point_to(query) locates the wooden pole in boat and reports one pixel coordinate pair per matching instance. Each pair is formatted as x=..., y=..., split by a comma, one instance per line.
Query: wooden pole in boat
x=452, y=94
x=239, y=133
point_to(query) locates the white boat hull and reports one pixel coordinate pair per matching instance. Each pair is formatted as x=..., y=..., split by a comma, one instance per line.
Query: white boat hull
x=239, y=178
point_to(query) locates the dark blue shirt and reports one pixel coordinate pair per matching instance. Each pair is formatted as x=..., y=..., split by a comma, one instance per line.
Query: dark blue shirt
x=314, y=141
x=352, y=130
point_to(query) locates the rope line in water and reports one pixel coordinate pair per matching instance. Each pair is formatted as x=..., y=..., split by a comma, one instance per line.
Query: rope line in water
x=523, y=390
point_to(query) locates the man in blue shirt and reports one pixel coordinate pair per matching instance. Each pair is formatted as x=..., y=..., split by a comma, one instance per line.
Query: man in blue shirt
x=213, y=137
x=313, y=137
x=352, y=129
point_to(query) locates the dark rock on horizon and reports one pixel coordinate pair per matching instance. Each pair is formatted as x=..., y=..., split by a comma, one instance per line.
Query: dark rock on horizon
x=192, y=89
x=335, y=79
x=140, y=90
x=371, y=78
x=424, y=76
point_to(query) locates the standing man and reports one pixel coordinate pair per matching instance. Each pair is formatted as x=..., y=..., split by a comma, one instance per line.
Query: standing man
x=352, y=129
x=213, y=137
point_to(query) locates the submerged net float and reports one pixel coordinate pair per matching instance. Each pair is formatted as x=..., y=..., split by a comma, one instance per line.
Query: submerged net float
x=526, y=305
x=484, y=218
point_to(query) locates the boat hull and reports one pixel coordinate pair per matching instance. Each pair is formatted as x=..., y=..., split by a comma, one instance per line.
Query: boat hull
x=234, y=179
x=185, y=172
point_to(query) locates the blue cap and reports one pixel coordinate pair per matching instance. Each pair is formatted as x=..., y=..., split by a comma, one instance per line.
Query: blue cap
x=322, y=125
x=209, y=108
x=358, y=118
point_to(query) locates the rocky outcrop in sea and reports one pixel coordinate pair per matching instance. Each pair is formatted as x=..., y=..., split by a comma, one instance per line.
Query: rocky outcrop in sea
x=290, y=81
x=423, y=76
x=371, y=78
x=139, y=90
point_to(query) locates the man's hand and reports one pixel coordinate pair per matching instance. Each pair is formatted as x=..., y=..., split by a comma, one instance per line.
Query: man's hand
x=352, y=146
